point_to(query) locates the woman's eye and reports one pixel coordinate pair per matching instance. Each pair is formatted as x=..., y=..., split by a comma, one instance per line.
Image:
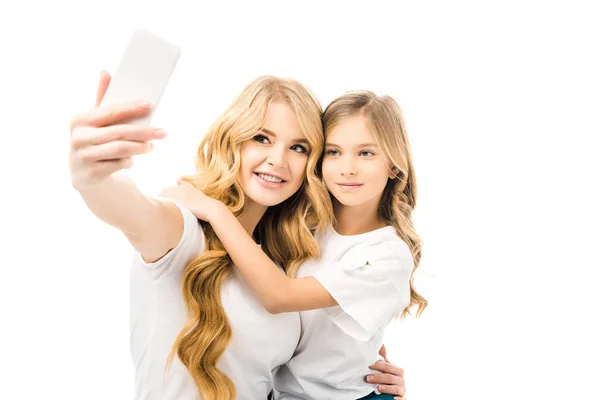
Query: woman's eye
x=332, y=152
x=261, y=139
x=366, y=153
x=299, y=148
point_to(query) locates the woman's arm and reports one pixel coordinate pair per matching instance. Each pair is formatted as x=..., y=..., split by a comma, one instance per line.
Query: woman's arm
x=101, y=145
x=152, y=226
x=277, y=292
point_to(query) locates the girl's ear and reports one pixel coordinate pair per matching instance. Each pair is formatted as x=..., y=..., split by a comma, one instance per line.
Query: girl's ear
x=394, y=173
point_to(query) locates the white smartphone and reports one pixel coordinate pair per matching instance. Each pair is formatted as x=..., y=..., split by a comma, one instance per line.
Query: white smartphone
x=143, y=72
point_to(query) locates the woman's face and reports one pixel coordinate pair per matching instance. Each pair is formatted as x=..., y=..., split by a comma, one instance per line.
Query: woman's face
x=273, y=162
x=355, y=169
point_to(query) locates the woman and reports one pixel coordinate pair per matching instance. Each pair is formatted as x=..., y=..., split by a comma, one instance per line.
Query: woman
x=364, y=276
x=213, y=337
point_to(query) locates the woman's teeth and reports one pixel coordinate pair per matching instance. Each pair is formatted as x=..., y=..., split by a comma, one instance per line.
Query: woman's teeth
x=270, y=178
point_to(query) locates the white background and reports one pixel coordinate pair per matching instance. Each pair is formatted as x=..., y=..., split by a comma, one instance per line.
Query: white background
x=501, y=101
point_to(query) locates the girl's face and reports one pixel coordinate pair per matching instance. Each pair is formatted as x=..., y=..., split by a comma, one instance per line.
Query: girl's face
x=355, y=168
x=273, y=162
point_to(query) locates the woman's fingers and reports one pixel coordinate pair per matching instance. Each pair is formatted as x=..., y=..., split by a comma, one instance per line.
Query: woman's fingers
x=102, y=142
x=105, y=79
x=392, y=389
x=390, y=380
x=386, y=379
x=383, y=353
x=388, y=368
x=111, y=114
x=113, y=150
x=89, y=136
x=102, y=169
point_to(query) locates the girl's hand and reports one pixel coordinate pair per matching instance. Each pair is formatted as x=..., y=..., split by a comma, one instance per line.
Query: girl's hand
x=103, y=143
x=193, y=199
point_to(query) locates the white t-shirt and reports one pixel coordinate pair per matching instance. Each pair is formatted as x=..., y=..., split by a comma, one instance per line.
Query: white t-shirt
x=260, y=343
x=369, y=277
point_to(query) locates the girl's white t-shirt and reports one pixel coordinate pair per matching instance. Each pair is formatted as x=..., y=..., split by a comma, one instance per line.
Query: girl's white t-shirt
x=260, y=343
x=368, y=275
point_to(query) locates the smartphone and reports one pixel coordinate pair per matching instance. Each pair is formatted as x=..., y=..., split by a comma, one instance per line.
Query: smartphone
x=143, y=72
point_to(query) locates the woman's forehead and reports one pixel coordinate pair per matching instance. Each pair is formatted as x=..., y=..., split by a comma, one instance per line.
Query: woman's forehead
x=281, y=121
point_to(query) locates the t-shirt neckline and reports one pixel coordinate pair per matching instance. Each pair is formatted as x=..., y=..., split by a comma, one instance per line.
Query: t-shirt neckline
x=374, y=232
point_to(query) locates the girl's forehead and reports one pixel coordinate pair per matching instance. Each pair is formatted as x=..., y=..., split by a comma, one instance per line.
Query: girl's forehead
x=351, y=130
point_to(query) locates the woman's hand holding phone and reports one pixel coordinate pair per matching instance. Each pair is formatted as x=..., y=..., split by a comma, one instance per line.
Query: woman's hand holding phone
x=102, y=142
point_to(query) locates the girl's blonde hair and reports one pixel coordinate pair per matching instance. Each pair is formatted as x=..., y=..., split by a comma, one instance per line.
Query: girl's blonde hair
x=285, y=232
x=386, y=122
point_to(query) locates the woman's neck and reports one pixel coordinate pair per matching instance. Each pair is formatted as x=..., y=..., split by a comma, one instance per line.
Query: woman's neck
x=251, y=215
x=354, y=220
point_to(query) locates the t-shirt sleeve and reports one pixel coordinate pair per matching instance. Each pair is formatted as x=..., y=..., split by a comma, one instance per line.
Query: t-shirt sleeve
x=189, y=247
x=371, y=285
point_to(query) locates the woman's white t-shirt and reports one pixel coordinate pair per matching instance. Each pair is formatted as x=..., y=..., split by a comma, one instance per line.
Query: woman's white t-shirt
x=369, y=277
x=260, y=343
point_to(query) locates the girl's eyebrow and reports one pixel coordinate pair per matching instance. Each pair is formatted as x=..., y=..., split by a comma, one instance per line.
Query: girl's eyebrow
x=367, y=145
x=302, y=140
x=358, y=145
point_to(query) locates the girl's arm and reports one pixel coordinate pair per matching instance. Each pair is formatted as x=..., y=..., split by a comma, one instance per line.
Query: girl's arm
x=277, y=292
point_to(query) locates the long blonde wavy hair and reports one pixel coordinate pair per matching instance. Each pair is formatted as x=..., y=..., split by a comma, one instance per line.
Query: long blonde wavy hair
x=386, y=122
x=285, y=232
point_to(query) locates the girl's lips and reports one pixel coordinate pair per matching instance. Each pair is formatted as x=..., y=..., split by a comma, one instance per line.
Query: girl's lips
x=349, y=186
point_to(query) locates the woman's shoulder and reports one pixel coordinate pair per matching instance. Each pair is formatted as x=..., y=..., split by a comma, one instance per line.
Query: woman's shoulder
x=190, y=245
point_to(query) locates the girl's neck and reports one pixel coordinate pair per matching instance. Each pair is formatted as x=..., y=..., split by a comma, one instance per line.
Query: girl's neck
x=355, y=220
x=251, y=215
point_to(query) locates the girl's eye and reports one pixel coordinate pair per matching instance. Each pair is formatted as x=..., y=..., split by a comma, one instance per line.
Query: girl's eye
x=366, y=153
x=299, y=148
x=332, y=152
x=261, y=139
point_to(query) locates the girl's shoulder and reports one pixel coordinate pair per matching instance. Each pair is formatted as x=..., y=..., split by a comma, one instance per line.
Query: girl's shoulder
x=385, y=243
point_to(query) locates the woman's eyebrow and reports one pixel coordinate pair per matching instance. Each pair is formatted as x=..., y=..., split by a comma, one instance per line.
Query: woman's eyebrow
x=296, y=140
x=268, y=132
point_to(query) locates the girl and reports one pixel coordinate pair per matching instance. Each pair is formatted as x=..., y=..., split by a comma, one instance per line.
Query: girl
x=215, y=339
x=364, y=276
